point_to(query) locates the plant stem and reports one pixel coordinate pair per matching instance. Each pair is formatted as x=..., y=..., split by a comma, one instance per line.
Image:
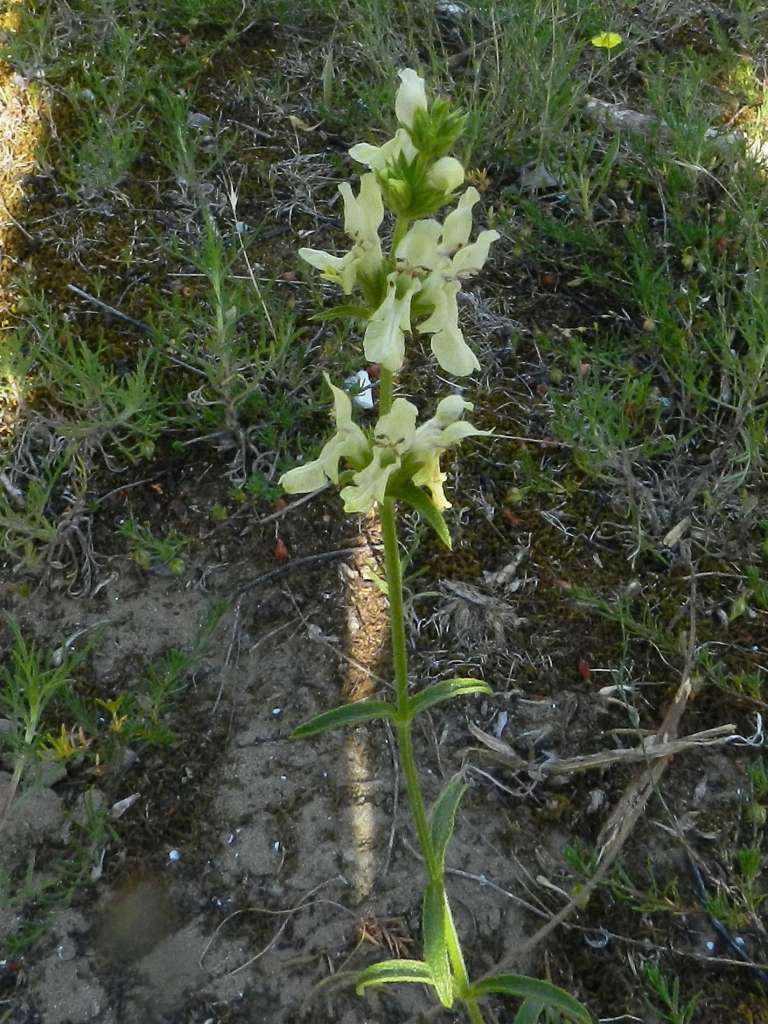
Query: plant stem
x=394, y=576
x=401, y=229
x=386, y=388
x=403, y=729
x=400, y=666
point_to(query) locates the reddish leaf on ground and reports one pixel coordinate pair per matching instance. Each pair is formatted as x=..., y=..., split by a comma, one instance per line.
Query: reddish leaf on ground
x=280, y=551
x=510, y=518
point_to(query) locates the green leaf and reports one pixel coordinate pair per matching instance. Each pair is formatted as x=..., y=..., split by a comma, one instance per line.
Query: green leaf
x=343, y=311
x=446, y=690
x=347, y=714
x=530, y=988
x=418, y=500
x=435, y=944
x=443, y=818
x=529, y=1012
x=391, y=972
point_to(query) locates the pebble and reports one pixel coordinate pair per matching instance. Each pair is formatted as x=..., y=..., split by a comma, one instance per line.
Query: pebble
x=66, y=950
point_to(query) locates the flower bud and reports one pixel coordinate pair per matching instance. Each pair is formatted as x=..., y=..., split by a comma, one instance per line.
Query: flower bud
x=446, y=175
x=411, y=96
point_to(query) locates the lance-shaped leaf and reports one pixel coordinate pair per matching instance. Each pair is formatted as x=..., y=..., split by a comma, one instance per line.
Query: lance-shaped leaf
x=529, y=1013
x=422, y=503
x=435, y=941
x=443, y=818
x=347, y=714
x=446, y=690
x=531, y=988
x=345, y=311
x=392, y=972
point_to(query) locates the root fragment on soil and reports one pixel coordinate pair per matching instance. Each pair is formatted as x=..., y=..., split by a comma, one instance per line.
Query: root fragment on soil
x=297, y=563
x=304, y=903
x=650, y=747
x=109, y=310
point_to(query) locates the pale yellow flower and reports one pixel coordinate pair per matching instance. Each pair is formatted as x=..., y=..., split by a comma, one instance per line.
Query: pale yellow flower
x=397, y=436
x=349, y=442
x=448, y=345
x=446, y=174
x=369, y=485
x=363, y=215
x=445, y=429
x=384, y=339
x=377, y=158
x=443, y=256
x=411, y=96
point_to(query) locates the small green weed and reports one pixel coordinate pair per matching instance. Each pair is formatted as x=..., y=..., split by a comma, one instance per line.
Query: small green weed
x=740, y=903
x=37, y=896
x=649, y=898
x=28, y=527
x=28, y=685
x=635, y=619
x=154, y=553
x=665, y=998
x=110, y=116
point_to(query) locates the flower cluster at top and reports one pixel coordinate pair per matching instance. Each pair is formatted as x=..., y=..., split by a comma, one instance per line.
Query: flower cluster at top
x=418, y=283
x=412, y=287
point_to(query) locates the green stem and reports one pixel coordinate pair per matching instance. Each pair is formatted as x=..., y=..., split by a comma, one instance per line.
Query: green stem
x=402, y=696
x=459, y=967
x=473, y=1011
x=403, y=727
x=401, y=229
x=400, y=668
x=386, y=390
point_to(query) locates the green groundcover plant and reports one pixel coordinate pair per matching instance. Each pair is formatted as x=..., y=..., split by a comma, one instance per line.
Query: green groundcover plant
x=412, y=287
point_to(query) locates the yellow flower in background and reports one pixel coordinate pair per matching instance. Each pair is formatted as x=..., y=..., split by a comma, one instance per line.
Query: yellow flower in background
x=67, y=744
x=606, y=40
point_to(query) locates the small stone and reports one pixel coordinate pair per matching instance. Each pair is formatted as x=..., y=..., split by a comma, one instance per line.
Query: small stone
x=66, y=950
x=197, y=120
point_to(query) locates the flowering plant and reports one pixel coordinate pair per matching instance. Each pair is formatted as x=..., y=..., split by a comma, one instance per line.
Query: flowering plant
x=412, y=287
